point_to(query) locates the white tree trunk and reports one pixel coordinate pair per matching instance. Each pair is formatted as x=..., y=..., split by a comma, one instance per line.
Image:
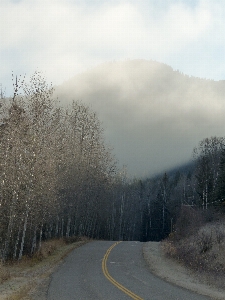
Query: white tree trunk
x=40, y=238
x=16, y=244
x=68, y=227
x=23, y=237
x=34, y=241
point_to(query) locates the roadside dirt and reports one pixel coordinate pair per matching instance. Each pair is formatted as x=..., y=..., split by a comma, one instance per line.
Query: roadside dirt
x=29, y=280
x=172, y=271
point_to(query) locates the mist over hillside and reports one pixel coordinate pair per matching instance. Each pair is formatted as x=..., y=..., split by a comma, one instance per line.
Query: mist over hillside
x=153, y=116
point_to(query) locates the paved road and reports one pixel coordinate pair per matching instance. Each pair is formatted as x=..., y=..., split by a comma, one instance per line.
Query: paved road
x=83, y=276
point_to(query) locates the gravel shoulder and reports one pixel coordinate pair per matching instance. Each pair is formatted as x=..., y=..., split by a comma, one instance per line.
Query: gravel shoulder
x=173, y=272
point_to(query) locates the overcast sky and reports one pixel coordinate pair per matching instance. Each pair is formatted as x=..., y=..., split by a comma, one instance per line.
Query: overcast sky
x=65, y=37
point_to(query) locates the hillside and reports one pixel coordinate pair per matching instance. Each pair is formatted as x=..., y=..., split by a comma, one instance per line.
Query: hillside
x=153, y=115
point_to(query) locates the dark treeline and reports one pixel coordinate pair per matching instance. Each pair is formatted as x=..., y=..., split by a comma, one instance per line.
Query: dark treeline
x=198, y=185
x=59, y=179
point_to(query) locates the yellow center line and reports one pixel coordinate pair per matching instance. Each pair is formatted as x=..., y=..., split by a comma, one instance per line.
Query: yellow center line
x=111, y=279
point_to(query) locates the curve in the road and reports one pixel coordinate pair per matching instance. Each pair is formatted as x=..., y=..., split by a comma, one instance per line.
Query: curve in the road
x=81, y=276
x=112, y=280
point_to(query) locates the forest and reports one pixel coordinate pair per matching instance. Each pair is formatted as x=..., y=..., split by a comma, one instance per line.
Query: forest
x=60, y=179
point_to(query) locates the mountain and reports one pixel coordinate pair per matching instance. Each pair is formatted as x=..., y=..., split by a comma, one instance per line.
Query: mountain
x=153, y=116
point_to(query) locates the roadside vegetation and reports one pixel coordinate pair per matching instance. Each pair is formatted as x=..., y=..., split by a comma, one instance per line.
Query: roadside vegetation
x=29, y=277
x=197, y=239
x=198, y=242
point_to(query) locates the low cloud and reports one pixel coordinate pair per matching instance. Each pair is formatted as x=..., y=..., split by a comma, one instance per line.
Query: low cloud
x=152, y=116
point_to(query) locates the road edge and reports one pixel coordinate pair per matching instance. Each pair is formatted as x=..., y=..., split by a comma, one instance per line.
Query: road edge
x=172, y=271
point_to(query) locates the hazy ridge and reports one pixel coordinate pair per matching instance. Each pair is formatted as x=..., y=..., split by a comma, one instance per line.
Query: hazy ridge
x=153, y=115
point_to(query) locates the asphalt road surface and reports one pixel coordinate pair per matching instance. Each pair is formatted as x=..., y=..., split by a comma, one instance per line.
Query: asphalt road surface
x=111, y=271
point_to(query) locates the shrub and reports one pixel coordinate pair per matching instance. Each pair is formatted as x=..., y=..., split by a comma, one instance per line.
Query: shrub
x=189, y=221
x=204, y=240
x=203, y=250
x=48, y=248
x=75, y=239
x=169, y=248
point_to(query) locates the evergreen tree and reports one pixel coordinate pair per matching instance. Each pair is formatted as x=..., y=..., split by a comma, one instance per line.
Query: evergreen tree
x=220, y=199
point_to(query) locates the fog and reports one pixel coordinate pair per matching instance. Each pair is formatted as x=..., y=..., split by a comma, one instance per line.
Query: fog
x=152, y=116
x=63, y=38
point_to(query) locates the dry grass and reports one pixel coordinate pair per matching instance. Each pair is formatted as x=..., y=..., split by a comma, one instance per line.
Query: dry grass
x=21, y=293
x=4, y=274
x=21, y=280
x=202, y=251
x=47, y=249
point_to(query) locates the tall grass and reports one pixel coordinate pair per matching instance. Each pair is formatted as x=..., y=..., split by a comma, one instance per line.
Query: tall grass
x=4, y=273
